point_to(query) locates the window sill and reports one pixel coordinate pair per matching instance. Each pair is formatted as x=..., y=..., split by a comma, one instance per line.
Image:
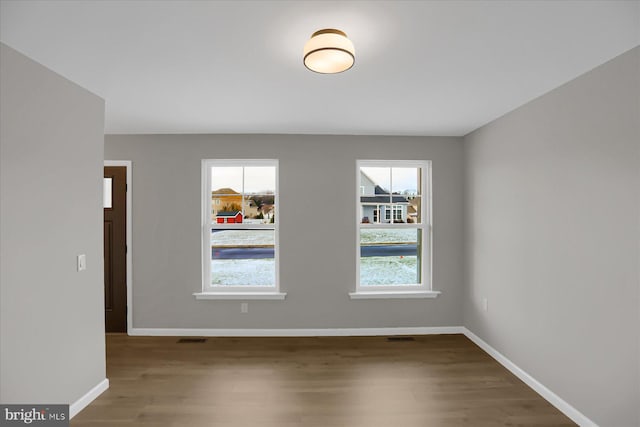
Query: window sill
x=240, y=295
x=393, y=294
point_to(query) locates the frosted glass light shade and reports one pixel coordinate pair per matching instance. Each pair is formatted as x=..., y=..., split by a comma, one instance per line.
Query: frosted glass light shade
x=329, y=51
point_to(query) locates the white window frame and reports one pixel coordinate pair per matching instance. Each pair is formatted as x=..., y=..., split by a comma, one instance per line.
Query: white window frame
x=425, y=288
x=235, y=292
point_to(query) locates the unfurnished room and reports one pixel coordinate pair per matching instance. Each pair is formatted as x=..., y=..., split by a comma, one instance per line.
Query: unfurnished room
x=319, y=213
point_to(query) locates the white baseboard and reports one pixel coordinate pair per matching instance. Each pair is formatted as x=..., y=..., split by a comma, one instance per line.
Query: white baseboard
x=334, y=332
x=564, y=407
x=88, y=397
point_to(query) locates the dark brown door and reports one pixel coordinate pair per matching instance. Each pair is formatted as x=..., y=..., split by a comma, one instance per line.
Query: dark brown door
x=115, y=248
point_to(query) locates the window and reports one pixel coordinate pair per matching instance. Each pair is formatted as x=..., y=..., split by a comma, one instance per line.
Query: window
x=106, y=193
x=240, y=228
x=394, y=250
x=397, y=213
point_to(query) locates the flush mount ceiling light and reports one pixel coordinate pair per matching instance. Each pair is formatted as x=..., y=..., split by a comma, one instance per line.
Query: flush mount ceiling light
x=329, y=51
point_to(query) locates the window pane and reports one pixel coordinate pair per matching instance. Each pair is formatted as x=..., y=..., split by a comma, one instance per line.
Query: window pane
x=259, y=209
x=265, y=206
x=226, y=180
x=406, y=181
x=375, y=180
x=414, y=210
x=389, y=257
x=243, y=258
x=260, y=180
x=260, y=189
x=107, y=193
x=226, y=209
x=371, y=213
x=406, y=196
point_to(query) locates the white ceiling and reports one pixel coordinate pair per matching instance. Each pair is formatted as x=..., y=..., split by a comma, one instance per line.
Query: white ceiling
x=422, y=67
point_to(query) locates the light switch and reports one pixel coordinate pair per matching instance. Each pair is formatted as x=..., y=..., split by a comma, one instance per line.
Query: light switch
x=82, y=262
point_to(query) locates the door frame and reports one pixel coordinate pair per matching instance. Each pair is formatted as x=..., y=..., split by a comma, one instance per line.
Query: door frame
x=127, y=164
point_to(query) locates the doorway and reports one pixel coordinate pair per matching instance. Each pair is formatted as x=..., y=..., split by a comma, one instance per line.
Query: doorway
x=116, y=257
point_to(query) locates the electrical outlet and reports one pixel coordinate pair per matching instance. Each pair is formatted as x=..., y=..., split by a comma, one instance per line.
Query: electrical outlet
x=485, y=304
x=244, y=307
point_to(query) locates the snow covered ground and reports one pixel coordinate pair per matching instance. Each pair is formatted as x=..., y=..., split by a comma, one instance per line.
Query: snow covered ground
x=394, y=235
x=377, y=270
x=242, y=237
x=243, y=272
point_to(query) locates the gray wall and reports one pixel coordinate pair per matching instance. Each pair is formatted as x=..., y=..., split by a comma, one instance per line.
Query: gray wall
x=51, y=317
x=552, y=209
x=317, y=230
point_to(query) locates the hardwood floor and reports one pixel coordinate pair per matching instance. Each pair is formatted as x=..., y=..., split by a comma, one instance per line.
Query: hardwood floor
x=437, y=380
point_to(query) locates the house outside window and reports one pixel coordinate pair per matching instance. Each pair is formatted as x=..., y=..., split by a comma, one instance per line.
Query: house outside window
x=394, y=226
x=240, y=227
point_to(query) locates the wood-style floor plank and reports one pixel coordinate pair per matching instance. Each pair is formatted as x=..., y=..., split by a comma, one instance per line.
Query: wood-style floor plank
x=437, y=380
